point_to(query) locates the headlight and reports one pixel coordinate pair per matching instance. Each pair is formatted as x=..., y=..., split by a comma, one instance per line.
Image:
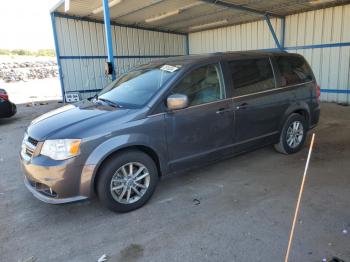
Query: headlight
x=61, y=149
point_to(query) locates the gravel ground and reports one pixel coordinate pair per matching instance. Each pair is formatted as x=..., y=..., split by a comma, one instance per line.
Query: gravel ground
x=33, y=90
x=237, y=210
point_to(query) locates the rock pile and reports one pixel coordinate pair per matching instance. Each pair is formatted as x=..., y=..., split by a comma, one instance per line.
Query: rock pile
x=12, y=71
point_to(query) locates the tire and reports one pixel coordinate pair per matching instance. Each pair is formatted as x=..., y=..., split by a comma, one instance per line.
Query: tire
x=115, y=195
x=288, y=145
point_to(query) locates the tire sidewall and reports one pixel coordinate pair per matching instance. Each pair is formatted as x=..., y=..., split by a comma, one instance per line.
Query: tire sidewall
x=290, y=120
x=107, y=172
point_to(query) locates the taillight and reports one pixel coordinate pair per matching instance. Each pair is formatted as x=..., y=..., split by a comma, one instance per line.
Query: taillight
x=4, y=96
x=318, y=91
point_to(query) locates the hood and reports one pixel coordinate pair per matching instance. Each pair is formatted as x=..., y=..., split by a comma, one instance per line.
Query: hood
x=71, y=121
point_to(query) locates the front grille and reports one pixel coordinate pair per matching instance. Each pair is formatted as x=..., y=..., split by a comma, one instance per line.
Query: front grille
x=29, y=146
x=32, y=141
x=29, y=152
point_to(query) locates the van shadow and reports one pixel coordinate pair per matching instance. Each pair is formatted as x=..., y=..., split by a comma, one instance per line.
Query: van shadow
x=171, y=184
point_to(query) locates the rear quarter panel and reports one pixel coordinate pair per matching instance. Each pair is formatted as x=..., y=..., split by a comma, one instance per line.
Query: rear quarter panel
x=300, y=97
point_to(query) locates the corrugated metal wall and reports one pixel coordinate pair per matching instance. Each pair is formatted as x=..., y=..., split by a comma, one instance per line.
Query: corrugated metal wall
x=322, y=36
x=330, y=64
x=83, y=51
x=248, y=36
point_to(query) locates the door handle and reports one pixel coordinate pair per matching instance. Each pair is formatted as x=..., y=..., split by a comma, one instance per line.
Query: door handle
x=242, y=106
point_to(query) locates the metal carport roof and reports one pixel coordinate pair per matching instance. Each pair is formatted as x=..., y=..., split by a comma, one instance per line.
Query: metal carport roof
x=183, y=19
x=189, y=15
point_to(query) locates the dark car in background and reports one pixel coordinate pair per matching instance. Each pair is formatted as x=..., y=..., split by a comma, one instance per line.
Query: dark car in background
x=7, y=108
x=168, y=116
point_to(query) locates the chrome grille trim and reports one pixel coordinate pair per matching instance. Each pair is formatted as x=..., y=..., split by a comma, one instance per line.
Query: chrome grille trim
x=29, y=145
x=32, y=141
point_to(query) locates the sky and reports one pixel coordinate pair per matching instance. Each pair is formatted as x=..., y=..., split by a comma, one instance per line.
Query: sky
x=26, y=24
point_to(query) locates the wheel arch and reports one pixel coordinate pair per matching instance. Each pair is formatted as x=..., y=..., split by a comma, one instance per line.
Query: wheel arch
x=301, y=109
x=110, y=149
x=305, y=113
x=142, y=148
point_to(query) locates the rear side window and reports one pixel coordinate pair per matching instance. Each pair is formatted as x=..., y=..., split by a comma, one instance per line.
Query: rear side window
x=294, y=70
x=251, y=76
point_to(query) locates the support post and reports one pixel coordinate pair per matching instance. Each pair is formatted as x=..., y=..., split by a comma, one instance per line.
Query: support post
x=57, y=49
x=107, y=22
x=267, y=19
x=283, y=32
x=187, y=45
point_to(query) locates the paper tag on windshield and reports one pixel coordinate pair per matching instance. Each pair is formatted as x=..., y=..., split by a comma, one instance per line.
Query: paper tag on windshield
x=169, y=68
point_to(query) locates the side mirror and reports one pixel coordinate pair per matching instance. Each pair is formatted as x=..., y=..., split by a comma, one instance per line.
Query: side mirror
x=177, y=101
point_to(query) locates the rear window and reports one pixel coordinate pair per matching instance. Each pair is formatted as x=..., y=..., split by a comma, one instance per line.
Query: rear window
x=251, y=76
x=294, y=70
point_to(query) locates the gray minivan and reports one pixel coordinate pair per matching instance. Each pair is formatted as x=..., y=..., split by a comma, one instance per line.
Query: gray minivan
x=167, y=116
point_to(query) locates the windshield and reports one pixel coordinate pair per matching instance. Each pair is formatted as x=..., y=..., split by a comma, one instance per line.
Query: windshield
x=137, y=87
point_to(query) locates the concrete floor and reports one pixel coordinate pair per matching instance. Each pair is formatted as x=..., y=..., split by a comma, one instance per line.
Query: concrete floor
x=245, y=211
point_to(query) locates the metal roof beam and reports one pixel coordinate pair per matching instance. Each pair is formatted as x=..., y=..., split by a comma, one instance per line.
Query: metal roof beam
x=241, y=8
x=87, y=19
x=273, y=33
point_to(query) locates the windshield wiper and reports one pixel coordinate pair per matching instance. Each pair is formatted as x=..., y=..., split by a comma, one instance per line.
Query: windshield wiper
x=109, y=102
x=95, y=97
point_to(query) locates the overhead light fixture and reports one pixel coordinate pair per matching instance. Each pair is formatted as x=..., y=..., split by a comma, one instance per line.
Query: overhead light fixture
x=194, y=4
x=66, y=5
x=171, y=13
x=319, y=2
x=110, y=4
x=162, y=16
x=217, y=23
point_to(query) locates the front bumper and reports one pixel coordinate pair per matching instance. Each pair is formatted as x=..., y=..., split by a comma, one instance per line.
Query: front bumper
x=53, y=182
x=47, y=199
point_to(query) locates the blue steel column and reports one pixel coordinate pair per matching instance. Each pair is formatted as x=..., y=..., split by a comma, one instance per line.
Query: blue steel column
x=109, y=42
x=187, y=45
x=283, y=31
x=267, y=19
x=57, y=49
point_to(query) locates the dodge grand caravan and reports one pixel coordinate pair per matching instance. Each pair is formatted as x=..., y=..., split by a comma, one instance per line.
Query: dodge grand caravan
x=166, y=116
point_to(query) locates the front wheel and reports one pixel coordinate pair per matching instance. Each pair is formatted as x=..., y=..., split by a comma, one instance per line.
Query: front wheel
x=293, y=135
x=127, y=181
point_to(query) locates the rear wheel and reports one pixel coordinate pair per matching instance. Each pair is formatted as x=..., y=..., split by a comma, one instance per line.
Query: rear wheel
x=293, y=135
x=127, y=181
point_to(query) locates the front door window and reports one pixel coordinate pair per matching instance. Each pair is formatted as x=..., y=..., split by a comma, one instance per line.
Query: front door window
x=202, y=85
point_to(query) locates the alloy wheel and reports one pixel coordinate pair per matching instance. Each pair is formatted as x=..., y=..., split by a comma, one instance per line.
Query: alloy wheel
x=129, y=183
x=295, y=134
